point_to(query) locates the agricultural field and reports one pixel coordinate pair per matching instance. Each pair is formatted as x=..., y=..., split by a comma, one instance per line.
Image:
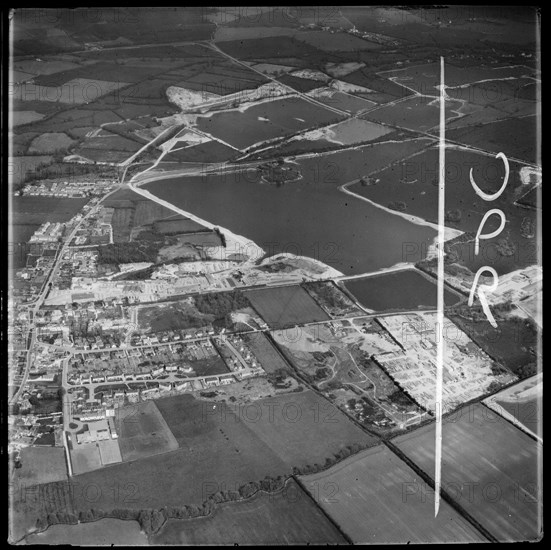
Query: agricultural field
x=376, y=498
x=209, y=152
x=84, y=458
x=222, y=78
x=70, y=34
x=176, y=225
x=132, y=129
x=24, y=168
x=521, y=404
x=310, y=134
x=28, y=503
x=39, y=210
x=515, y=137
x=47, y=66
x=109, y=148
x=101, y=70
x=475, y=115
x=246, y=32
x=315, y=14
x=133, y=211
x=143, y=431
x=302, y=85
x=496, y=459
x=38, y=106
x=382, y=89
x=417, y=113
x=104, y=532
x=425, y=78
x=265, y=121
x=264, y=351
x=108, y=142
x=286, y=517
x=400, y=290
x=20, y=118
x=337, y=358
x=19, y=236
x=513, y=96
x=50, y=143
x=20, y=142
x=285, y=306
x=151, y=54
x=332, y=299
x=42, y=465
x=216, y=453
x=95, y=155
x=342, y=101
x=77, y=91
x=337, y=42
x=274, y=49
x=71, y=119
x=302, y=428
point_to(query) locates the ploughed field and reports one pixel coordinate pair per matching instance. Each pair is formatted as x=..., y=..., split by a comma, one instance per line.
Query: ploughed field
x=489, y=467
x=376, y=498
x=221, y=446
x=522, y=404
x=289, y=516
x=213, y=448
x=143, y=431
x=303, y=428
x=105, y=532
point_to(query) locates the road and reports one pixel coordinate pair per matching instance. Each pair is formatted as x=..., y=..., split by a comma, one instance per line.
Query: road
x=67, y=410
x=169, y=378
x=274, y=79
x=235, y=352
x=398, y=267
x=129, y=160
x=37, y=304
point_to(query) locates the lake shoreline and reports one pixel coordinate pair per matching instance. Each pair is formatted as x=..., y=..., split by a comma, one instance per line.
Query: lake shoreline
x=347, y=248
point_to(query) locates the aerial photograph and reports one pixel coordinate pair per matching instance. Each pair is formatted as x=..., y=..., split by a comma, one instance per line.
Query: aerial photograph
x=274, y=275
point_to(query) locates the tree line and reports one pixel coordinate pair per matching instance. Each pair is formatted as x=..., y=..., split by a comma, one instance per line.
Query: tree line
x=151, y=520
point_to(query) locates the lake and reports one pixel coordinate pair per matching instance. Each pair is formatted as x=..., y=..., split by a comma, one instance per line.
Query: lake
x=413, y=181
x=265, y=121
x=404, y=290
x=310, y=217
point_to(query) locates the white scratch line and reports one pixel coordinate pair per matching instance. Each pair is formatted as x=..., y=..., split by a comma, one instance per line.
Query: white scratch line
x=440, y=293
